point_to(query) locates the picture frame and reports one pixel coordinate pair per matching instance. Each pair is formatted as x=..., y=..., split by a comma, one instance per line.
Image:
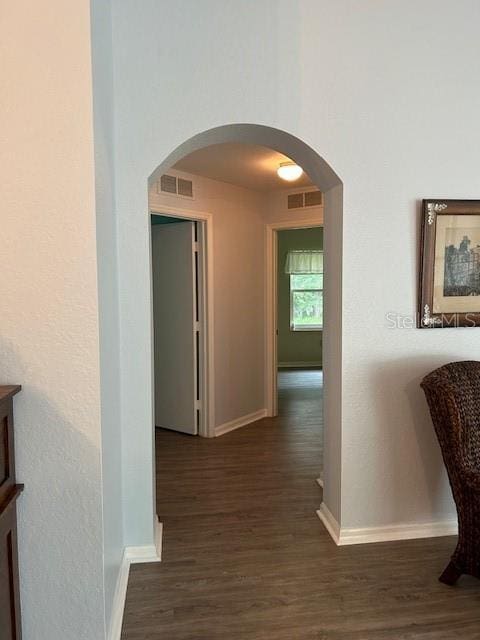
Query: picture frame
x=449, y=278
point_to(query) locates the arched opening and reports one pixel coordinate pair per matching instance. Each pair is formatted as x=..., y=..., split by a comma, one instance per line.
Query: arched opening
x=326, y=180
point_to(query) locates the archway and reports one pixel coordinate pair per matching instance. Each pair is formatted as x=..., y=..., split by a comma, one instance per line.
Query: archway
x=323, y=176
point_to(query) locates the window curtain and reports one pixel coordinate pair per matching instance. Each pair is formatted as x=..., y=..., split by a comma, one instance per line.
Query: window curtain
x=299, y=262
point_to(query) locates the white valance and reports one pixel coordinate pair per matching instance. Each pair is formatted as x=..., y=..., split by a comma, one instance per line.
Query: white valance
x=304, y=262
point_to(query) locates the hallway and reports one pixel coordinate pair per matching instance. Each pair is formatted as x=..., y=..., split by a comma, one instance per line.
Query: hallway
x=245, y=556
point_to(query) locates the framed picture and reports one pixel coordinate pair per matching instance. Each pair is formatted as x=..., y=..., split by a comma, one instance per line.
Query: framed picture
x=449, y=291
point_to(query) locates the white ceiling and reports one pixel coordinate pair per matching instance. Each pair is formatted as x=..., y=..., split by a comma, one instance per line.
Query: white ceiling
x=245, y=165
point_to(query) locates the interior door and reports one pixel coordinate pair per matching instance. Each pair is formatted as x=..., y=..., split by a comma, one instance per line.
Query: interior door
x=175, y=329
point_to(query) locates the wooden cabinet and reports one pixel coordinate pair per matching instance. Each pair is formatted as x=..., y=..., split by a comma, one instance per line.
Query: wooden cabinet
x=10, y=628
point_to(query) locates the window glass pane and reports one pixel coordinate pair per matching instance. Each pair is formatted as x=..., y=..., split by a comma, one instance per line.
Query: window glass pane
x=307, y=308
x=307, y=281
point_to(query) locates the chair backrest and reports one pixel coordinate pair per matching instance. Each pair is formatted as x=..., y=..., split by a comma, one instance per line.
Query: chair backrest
x=453, y=395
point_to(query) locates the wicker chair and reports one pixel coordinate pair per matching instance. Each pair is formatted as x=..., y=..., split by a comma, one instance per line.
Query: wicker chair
x=453, y=395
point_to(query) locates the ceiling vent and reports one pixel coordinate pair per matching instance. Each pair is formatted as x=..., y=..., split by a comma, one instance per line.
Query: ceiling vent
x=175, y=186
x=304, y=199
x=168, y=184
x=185, y=188
x=295, y=201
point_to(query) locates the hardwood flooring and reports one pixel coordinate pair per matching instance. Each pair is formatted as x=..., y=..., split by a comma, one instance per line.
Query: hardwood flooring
x=246, y=558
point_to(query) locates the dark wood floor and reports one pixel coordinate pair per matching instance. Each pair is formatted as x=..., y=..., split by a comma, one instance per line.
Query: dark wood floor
x=245, y=556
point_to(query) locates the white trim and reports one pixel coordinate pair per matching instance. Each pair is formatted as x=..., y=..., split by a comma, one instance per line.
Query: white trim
x=310, y=328
x=240, y=422
x=388, y=533
x=296, y=365
x=158, y=537
x=118, y=605
x=148, y=553
x=271, y=356
x=330, y=522
x=320, y=480
x=314, y=219
x=398, y=532
x=207, y=428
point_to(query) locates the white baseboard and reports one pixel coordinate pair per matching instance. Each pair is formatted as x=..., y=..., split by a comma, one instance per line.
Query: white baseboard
x=118, y=606
x=131, y=555
x=390, y=533
x=330, y=523
x=398, y=532
x=298, y=365
x=149, y=552
x=240, y=422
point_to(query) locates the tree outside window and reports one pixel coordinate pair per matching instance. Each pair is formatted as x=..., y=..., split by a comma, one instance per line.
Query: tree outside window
x=306, y=302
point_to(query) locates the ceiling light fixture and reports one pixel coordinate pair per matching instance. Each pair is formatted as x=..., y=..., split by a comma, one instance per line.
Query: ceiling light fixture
x=289, y=171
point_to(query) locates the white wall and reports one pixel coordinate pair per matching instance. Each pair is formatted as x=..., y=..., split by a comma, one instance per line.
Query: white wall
x=49, y=322
x=387, y=93
x=238, y=270
x=106, y=230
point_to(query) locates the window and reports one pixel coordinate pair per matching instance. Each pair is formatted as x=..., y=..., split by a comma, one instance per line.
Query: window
x=305, y=269
x=306, y=301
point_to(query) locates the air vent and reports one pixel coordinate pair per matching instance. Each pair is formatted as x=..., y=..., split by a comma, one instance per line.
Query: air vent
x=185, y=188
x=177, y=186
x=313, y=198
x=304, y=199
x=295, y=201
x=168, y=184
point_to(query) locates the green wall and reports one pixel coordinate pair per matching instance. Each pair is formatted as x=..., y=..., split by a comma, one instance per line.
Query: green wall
x=295, y=346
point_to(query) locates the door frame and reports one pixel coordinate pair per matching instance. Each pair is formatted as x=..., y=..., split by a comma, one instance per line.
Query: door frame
x=315, y=219
x=207, y=367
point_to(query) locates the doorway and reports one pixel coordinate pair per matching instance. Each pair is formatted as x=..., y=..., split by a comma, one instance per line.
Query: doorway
x=140, y=444
x=244, y=202
x=181, y=322
x=274, y=259
x=254, y=485
x=299, y=326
